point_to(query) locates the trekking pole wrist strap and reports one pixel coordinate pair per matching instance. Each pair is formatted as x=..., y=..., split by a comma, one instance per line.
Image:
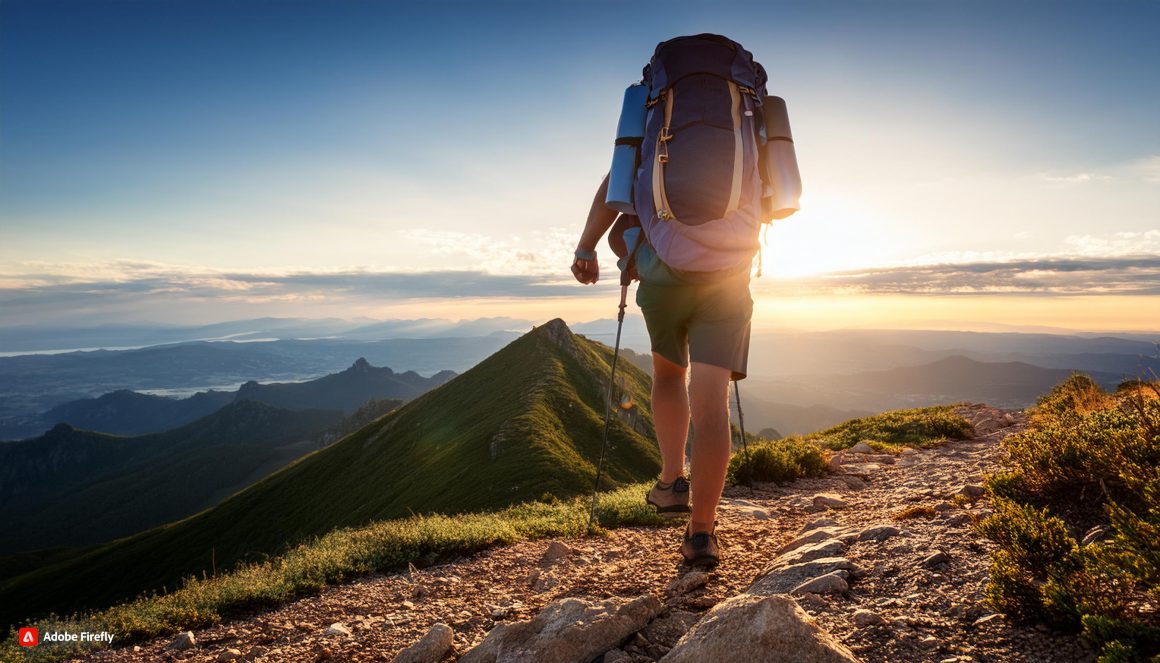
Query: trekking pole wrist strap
x=585, y=254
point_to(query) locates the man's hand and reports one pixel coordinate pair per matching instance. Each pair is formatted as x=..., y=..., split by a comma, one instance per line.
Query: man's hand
x=586, y=271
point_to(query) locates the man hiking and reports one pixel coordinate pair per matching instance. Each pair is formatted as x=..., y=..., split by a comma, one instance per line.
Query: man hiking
x=693, y=170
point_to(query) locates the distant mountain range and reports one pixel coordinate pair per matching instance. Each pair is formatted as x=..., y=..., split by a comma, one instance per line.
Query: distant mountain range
x=524, y=423
x=947, y=380
x=72, y=487
x=126, y=412
x=798, y=362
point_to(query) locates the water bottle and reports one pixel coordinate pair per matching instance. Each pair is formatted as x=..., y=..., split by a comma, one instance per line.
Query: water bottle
x=626, y=153
x=783, y=183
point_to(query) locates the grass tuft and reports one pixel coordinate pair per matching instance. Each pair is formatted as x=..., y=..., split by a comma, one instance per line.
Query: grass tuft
x=917, y=511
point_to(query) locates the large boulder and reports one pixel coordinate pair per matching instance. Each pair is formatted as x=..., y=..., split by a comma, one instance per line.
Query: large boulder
x=758, y=629
x=568, y=630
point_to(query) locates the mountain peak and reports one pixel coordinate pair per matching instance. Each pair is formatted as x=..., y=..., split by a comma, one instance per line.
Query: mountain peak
x=556, y=330
x=361, y=365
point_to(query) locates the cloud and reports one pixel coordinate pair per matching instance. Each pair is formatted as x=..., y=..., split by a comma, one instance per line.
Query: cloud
x=1115, y=244
x=1120, y=275
x=541, y=252
x=121, y=290
x=1075, y=178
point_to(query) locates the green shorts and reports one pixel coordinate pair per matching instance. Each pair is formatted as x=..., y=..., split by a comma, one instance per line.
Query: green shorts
x=707, y=323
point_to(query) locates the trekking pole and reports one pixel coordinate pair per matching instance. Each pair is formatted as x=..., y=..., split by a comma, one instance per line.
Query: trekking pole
x=625, y=280
x=744, y=443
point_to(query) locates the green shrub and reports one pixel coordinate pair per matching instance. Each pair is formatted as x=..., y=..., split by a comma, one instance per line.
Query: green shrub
x=781, y=460
x=918, y=427
x=1086, y=456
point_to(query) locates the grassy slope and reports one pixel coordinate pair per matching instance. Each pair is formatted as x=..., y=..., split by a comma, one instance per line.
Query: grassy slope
x=84, y=488
x=538, y=401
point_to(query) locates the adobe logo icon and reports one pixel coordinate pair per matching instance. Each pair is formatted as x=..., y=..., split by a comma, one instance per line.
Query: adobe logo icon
x=28, y=637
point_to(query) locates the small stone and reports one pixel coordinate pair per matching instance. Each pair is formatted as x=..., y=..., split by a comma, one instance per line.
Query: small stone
x=408, y=605
x=432, y=647
x=909, y=451
x=829, y=501
x=830, y=583
x=861, y=469
x=958, y=520
x=930, y=642
x=864, y=617
x=532, y=577
x=971, y=491
x=183, y=641
x=818, y=523
x=878, y=533
x=230, y=655
x=687, y=583
x=852, y=482
x=555, y=551
x=337, y=629
x=935, y=559
x=862, y=448
x=987, y=619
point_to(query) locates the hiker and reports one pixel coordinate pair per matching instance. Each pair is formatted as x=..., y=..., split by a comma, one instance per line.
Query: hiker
x=703, y=158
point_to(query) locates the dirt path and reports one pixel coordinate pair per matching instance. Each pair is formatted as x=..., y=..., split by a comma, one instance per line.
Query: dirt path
x=901, y=605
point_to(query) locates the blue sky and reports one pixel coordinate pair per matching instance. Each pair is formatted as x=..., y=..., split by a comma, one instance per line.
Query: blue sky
x=199, y=161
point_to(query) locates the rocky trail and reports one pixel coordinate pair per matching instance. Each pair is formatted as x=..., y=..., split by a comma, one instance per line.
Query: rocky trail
x=818, y=570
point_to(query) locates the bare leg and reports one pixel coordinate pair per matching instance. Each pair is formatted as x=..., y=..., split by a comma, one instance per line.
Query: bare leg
x=670, y=404
x=709, y=397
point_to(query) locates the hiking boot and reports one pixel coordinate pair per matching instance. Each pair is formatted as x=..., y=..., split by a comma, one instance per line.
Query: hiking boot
x=672, y=500
x=700, y=548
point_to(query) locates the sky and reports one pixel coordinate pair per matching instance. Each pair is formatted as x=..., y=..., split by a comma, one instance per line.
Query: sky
x=965, y=165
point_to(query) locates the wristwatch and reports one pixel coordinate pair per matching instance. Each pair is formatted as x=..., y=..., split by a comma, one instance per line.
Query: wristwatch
x=585, y=254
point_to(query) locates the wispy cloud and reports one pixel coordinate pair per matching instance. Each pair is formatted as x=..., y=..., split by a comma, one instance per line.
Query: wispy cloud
x=1121, y=275
x=159, y=291
x=1115, y=244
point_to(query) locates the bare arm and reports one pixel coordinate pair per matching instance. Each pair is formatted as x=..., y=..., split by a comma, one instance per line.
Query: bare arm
x=600, y=219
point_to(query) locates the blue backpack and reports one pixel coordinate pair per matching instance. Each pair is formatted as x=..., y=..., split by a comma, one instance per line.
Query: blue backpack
x=698, y=185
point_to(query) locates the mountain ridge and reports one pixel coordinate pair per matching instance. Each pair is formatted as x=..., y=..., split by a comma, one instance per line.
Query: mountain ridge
x=523, y=423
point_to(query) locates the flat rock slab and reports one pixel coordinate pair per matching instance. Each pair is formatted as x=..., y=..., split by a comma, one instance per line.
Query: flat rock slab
x=758, y=629
x=812, y=551
x=783, y=579
x=568, y=630
x=861, y=469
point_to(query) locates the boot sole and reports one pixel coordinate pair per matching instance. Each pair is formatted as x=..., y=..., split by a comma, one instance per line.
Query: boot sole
x=671, y=511
x=705, y=561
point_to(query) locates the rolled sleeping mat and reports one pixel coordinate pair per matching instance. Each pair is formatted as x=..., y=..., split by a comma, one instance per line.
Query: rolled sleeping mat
x=783, y=182
x=626, y=152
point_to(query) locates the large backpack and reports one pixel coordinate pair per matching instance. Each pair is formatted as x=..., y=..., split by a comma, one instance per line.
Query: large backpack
x=698, y=190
